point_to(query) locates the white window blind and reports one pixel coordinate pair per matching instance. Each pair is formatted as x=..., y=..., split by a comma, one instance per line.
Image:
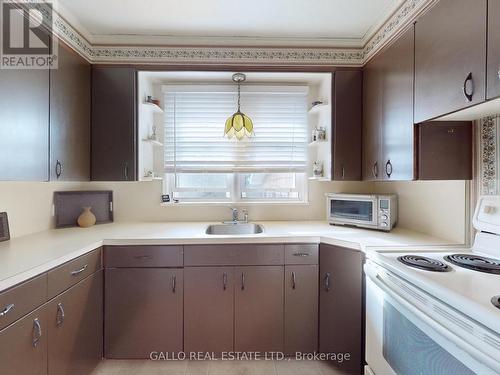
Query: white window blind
x=194, y=129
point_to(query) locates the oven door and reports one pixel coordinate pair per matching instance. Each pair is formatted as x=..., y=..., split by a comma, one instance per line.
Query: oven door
x=353, y=210
x=402, y=340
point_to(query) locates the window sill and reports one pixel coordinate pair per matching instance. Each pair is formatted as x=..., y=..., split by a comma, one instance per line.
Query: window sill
x=240, y=203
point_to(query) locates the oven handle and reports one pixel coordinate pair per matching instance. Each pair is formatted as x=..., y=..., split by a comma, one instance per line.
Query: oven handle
x=481, y=358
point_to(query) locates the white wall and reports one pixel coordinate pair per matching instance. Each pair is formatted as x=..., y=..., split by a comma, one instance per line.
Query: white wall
x=432, y=207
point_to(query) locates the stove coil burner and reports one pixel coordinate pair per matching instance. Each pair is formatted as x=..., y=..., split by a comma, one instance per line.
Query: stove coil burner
x=496, y=301
x=475, y=262
x=424, y=263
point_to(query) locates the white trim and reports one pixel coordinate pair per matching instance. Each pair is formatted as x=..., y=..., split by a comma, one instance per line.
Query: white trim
x=339, y=55
x=247, y=88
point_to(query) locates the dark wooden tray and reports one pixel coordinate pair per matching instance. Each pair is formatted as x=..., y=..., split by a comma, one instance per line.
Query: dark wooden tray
x=68, y=206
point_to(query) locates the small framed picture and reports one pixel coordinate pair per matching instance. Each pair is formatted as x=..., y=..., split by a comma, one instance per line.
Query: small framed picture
x=4, y=227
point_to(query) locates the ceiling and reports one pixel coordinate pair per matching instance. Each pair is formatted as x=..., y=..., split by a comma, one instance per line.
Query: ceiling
x=307, y=23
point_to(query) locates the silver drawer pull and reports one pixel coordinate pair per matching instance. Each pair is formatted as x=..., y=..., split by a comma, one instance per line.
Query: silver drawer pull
x=60, y=315
x=242, y=281
x=77, y=272
x=142, y=257
x=6, y=310
x=294, y=280
x=224, y=281
x=301, y=254
x=37, y=332
x=174, y=283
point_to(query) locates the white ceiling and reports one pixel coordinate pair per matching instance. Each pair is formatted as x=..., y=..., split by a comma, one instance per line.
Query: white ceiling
x=328, y=23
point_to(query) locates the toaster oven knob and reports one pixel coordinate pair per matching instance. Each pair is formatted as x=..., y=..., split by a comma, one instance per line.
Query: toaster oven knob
x=383, y=224
x=383, y=217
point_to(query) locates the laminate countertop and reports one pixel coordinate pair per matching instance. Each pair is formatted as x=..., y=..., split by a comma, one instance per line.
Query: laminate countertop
x=24, y=257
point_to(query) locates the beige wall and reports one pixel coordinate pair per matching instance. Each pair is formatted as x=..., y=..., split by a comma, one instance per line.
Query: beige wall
x=436, y=208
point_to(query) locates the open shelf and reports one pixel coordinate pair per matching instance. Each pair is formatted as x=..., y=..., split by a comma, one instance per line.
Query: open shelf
x=154, y=107
x=314, y=143
x=154, y=142
x=318, y=107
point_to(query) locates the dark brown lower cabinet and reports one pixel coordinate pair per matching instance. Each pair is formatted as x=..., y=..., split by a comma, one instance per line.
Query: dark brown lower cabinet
x=23, y=345
x=75, y=328
x=209, y=309
x=143, y=311
x=301, y=309
x=341, y=305
x=258, y=308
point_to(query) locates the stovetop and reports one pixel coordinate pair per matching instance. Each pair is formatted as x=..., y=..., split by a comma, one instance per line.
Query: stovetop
x=475, y=262
x=466, y=290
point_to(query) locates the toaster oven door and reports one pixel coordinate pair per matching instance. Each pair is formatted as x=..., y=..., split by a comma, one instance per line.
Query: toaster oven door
x=353, y=210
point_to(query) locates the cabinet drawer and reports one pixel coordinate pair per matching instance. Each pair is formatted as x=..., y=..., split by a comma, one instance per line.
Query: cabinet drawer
x=301, y=254
x=70, y=273
x=143, y=256
x=233, y=255
x=20, y=300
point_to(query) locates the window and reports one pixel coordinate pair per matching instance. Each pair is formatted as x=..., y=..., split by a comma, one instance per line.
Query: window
x=202, y=165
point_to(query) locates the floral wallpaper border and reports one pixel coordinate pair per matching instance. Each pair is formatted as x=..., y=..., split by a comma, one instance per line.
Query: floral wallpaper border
x=404, y=15
x=488, y=155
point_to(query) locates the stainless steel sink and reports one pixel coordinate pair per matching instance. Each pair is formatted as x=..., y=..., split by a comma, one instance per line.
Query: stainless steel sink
x=235, y=229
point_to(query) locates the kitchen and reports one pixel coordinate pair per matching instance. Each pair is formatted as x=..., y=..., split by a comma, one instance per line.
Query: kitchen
x=187, y=192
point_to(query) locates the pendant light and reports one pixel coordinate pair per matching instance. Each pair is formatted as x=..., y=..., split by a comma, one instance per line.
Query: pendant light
x=238, y=125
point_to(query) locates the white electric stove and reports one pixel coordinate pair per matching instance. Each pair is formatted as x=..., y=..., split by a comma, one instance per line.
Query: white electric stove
x=437, y=312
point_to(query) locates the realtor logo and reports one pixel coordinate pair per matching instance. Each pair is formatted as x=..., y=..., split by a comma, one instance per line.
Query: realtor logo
x=26, y=40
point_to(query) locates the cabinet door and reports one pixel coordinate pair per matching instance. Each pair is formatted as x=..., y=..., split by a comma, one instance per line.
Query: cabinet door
x=445, y=150
x=75, y=328
x=209, y=309
x=70, y=117
x=143, y=311
x=258, y=310
x=450, y=44
x=347, y=122
x=493, y=66
x=372, y=119
x=24, y=129
x=23, y=345
x=341, y=305
x=397, y=109
x=113, y=124
x=301, y=309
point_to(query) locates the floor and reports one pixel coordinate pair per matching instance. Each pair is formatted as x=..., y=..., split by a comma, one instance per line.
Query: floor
x=259, y=367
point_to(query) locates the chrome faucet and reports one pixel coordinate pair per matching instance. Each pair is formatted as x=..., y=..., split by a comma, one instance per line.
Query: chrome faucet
x=235, y=216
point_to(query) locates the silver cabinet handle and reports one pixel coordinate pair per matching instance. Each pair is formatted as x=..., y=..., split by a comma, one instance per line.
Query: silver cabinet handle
x=375, y=169
x=125, y=171
x=343, y=172
x=293, y=280
x=224, y=281
x=388, y=168
x=301, y=254
x=327, y=281
x=7, y=309
x=59, y=169
x=468, y=95
x=174, y=283
x=142, y=257
x=242, y=281
x=60, y=315
x=79, y=271
x=37, y=332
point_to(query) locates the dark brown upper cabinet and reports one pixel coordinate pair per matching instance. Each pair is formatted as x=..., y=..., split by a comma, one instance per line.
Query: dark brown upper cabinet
x=24, y=129
x=70, y=117
x=450, y=58
x=113, y=129
x=445, y=150
x=388, y=131
x=346, y=124
x=493, y=64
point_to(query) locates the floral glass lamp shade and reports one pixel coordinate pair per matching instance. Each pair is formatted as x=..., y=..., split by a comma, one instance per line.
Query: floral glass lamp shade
x=238, y=125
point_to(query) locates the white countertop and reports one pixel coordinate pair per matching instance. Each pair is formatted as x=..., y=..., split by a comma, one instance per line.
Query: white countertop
x=25, y=257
